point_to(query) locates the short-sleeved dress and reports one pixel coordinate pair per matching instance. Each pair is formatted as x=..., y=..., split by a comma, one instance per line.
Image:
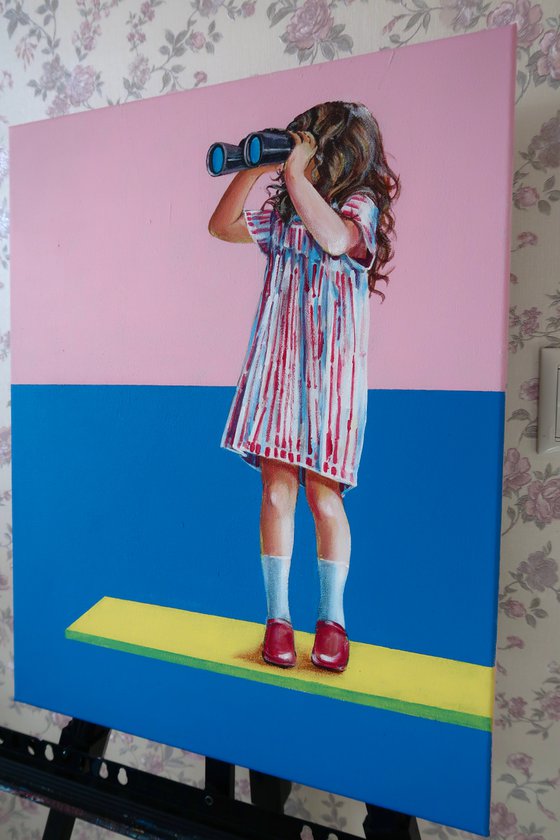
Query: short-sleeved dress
x=302, y=394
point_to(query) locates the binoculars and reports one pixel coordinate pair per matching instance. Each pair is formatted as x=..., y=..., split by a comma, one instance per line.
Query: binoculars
x=273, y=145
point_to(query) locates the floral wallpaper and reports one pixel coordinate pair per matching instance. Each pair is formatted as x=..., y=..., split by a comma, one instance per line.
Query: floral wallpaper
x=63, y=58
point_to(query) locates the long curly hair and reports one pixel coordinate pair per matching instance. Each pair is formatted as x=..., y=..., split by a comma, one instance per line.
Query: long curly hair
x=350, y=158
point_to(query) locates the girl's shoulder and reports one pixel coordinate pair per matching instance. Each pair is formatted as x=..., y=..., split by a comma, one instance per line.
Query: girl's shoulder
x=361, y=207
x=359, y=198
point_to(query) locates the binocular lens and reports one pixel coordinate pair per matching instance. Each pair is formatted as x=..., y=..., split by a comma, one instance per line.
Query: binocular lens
x=223, y=158
x=269, y=146
x=217, y=159
x=253, y=150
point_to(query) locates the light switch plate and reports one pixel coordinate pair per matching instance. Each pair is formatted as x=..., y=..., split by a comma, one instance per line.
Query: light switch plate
x=549, y=400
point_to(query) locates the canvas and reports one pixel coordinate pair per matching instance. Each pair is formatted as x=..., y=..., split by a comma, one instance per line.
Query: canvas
x=158, y=386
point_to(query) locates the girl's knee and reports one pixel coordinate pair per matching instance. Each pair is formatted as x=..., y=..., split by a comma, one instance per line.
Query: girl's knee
x=278, y=497
x=324, y=501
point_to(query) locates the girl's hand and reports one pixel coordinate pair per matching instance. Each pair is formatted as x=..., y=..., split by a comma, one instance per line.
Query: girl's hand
x=302, y=153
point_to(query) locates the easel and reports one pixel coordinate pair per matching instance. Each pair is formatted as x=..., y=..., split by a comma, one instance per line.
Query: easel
x=74, y=780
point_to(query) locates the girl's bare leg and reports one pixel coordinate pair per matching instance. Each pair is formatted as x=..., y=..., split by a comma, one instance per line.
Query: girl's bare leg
x=280, y=488
x=333, y=543
x=331, y=523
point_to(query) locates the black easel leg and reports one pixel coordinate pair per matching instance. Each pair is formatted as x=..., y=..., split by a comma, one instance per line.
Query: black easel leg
x=88, y=738
x=269, y=792
x=59, y=826
x=382, y=824
x=220, y=778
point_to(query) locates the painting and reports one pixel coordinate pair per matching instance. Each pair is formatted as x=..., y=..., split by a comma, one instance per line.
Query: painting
x=255, y=327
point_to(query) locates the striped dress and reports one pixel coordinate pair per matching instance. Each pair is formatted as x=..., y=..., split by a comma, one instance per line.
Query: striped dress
x=302, y=394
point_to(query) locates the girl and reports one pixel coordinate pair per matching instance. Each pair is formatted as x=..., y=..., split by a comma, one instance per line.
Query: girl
x=299, y=410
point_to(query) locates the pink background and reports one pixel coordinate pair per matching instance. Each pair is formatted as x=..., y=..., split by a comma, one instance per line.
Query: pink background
x=117, y=281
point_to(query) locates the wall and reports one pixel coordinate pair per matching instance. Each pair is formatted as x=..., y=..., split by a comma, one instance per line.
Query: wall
x=93, y=53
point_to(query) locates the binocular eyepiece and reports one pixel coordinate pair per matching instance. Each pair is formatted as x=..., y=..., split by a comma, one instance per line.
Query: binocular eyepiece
x=272, y=145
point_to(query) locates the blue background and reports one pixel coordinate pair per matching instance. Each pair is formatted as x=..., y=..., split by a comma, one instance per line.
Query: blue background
x=125, y=491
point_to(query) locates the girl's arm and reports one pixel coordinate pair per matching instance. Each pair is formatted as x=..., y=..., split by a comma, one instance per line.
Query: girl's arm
x=334, y=234
x=227, y=221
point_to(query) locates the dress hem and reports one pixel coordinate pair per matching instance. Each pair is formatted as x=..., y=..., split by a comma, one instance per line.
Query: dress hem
x=247, y=455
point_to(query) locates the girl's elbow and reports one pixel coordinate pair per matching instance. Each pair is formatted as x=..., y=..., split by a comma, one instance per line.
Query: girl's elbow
x=215, y=229
x=337, y=246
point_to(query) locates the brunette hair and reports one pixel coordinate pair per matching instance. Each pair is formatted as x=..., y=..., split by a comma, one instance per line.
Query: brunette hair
x=349, y=159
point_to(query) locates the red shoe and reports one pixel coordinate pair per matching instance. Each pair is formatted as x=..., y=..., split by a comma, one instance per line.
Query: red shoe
x=331, y=649
x=278, y=647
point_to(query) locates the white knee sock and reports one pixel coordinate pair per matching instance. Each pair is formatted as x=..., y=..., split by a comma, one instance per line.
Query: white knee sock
x=276, y=571
x=332, y=578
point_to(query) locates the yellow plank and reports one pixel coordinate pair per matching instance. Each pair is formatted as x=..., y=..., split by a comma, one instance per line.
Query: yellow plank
x=410, y=682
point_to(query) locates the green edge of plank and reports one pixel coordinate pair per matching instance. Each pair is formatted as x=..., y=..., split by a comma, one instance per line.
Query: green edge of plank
x=387, y=703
